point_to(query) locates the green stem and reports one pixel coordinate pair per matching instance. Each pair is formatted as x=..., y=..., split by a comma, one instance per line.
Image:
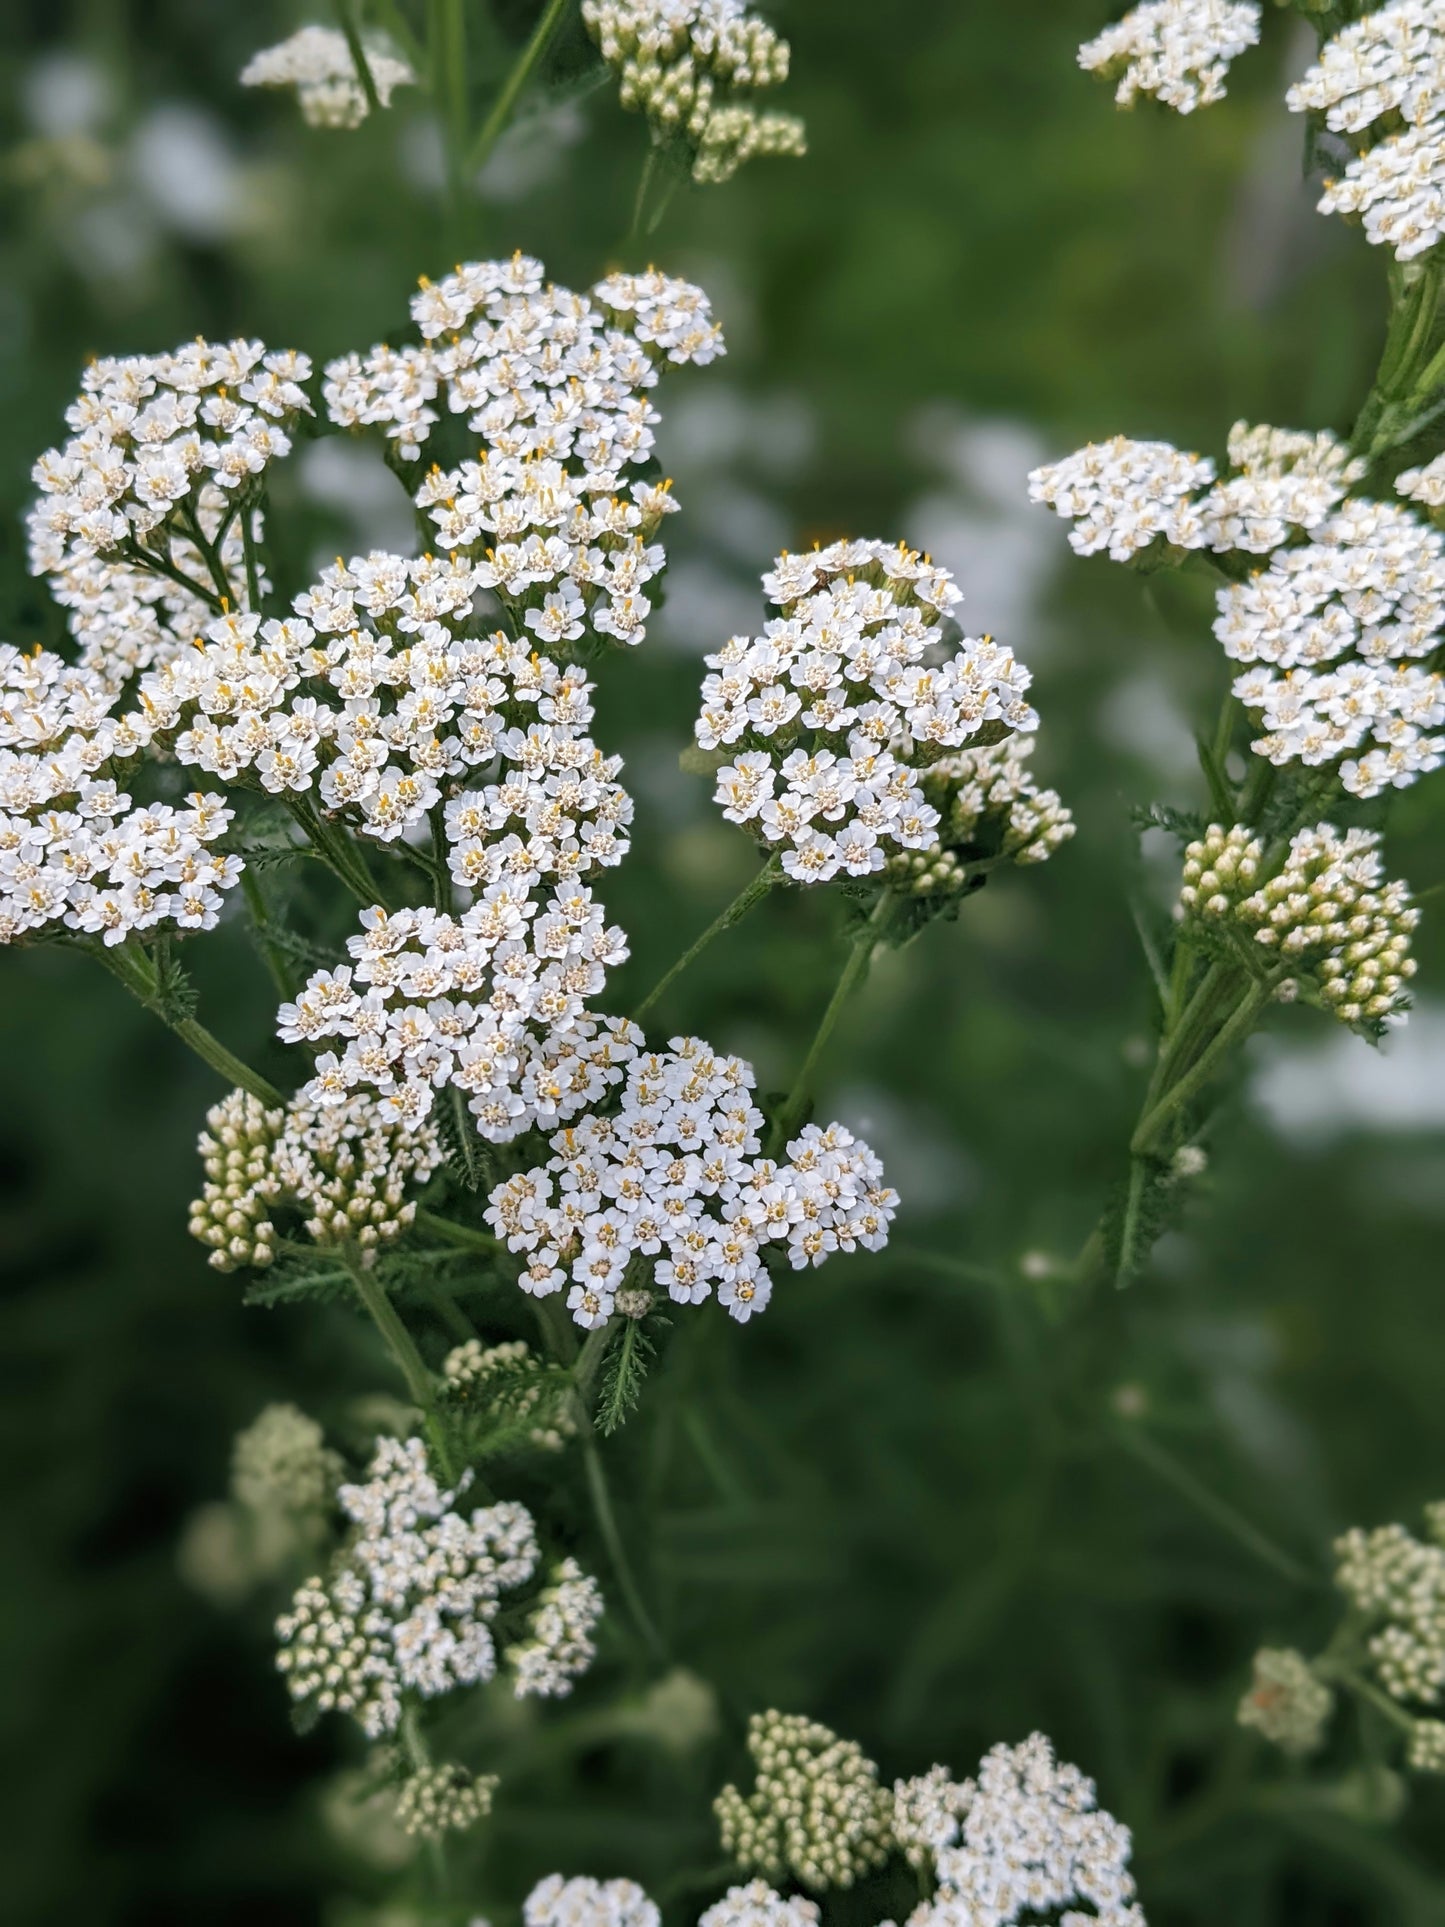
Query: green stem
x=253, y=565
x=394, y=21
x=644, y=186
x=751, y=893
x=1163, y=1464
x=337, y=852
x=138, y=976
x=494, y=125
x=208, y=555
x=855, y=969
x=275, y=959
x=402, y=1346
x=346, y=20
x=419, y=1754
x=161, y=565
x=1235, y=1028
x=601, y=1497
x=1382, y=1703
x=459, y=1234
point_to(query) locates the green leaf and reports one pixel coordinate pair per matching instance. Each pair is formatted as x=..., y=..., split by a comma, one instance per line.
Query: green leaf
x=284, y=1287
x=623, y=1372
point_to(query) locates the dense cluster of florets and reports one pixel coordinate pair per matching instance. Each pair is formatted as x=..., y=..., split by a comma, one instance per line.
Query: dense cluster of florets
x=844, y=700
x=474, y=1373
x=1425, y=485
x=558, y=1646
x=989, y=809
x=490, y=1002
x=759, y=1905
x=433, y=1801
x=345, y=1169
x=1378, y=72
x=1027, y=1837
x=409, y=1607
x=816, y=1810
x=281, y=1463
x=1287, y=1702
x=668, y=1188
x=1396, y=1582
x=583, y=1902
x=319, y=64
x=1328, y=916
x=1175, y=51
x=688, y=65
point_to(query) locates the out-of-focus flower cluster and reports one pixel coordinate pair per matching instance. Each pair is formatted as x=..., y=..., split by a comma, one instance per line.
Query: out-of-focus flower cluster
x=433, y=1801
x=1328, y=914
x=758, y=1905
x=1381, y=80
x=843, y=702
x=688, y=65
x=409, y=1606
x=558, y=1646
x=1175, y=51
x=584, y=1902
x=346, y=1169
x=1287, y=1703
x=1396, y=1582
x=490, y=1003
x=816, y=1811
x=283, y=1486
x=474, y=1374
x=667, y=1188
x=320, y=65
x=989, y=808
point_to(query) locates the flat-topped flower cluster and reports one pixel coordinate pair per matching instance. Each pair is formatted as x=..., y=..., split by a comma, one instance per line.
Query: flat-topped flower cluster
x=668, y=1188
x=843, y=700
x=1174, y=51
x=320, y=65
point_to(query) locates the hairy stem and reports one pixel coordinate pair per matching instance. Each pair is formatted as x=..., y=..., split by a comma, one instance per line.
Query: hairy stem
x=752, y=893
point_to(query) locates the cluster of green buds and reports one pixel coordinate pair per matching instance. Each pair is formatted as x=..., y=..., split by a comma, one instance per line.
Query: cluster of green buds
x=344, y=1167
x=473, y=1373
x=1287, y=1702
x=1328, y=913
x=283, y=1487
x=684, y=64
x=990, y=810
x=816, y=1811
x=437, y=1800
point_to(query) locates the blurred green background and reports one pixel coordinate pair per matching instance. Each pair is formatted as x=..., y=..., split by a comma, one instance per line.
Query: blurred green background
x=899, y=1502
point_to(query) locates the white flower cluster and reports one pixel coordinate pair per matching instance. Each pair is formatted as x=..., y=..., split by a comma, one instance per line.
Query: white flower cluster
x=556, y=384
x=843, y=700
x=816, y=1810
x=1338, y=631
x=927, y=1814
x=152, y=433
x=758, y=1905
x=318, y=63
x=473, y=1372
x=281, y=1463
x=988, y=807
x=1388, y=67
x=1177, y=51
x=1287, y=1702
x=1426, y=1749
x=375, y=696
x=76, y=852
x=583, y=1902
x=1026, y=1837
x=1120, y=495
x=1425, y=484
x=1328, y=913
x=433, y=1801
x=669, y=1189
x=685, y=65
x=346, y=1169
x=1397, y=1582
x=558, y=1647
x=490, y=1002
x=409, y=1608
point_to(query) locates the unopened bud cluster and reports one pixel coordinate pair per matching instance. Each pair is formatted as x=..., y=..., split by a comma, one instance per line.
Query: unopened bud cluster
x=684, y=64
x=1328, y=910
x=1397, y=1582
x=345, y=1168
x=437, y=1800
x=816, y=1810
x=1287, y=1702
x=474, y=1374
x=989, y=807
x=281, y=1463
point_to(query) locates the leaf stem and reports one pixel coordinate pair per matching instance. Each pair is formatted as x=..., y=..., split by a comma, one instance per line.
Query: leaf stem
x=459, y=1234
x=138, y=976
x=495, y=123
x=751, y=893
x=346, y=20
x=855, y=969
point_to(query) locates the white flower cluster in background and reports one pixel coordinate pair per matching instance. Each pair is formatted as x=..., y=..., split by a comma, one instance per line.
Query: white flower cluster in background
x=374, y=696
x=490, y=1002
x=1120, y=495
x=345, y=1169
x=1380, y=71
x=556, y=384
x=558, y=1646
x=687, y=65
x=1329, y=914
x=1397, y=1583
x=1338, y=632
x=78, y=853
x=319, y=64
x=1026, y=1836
x=759, y=1905
x=1287, y=1703
x=841, y=703
x=433, y=1801
x=1175, y=51
x=816, y=1810
x=669, y=1188
x=584, y=1902
x=1425, y=484
x=988, y=807
x=473, y=1373
x=409, y=1608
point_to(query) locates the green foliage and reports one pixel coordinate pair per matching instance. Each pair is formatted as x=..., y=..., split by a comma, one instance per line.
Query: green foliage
x=625, y=1369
